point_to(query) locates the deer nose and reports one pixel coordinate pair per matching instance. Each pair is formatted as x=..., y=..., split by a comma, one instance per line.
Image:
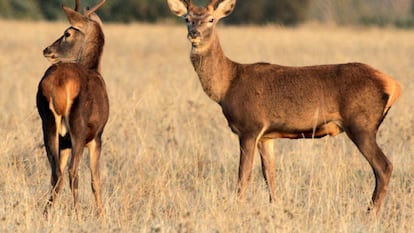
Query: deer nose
x=46, y=51
x=193, y=33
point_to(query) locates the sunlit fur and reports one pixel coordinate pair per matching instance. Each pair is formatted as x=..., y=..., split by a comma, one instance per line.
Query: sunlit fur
x=73, y=103
x=264, y=101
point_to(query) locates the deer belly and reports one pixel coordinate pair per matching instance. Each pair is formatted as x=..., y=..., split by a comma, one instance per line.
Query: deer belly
x=332, y=128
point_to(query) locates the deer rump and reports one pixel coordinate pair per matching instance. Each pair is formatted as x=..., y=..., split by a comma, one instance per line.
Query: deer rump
x=66, y=89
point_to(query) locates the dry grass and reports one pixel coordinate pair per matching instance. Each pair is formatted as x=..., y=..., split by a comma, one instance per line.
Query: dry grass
x=169, y=161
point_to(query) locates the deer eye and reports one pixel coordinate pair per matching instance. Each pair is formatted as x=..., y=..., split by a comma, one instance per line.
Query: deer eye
x=67, y=34
x=211, y=20
x=187, y=20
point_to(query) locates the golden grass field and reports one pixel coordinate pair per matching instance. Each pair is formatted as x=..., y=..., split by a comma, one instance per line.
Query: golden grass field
x=169, y=162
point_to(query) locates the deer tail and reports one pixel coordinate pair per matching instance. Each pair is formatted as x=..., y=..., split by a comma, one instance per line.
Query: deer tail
x=391, y=88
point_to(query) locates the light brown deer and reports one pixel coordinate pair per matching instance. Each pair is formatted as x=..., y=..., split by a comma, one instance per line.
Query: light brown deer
x=73, y=103
x=264, y=101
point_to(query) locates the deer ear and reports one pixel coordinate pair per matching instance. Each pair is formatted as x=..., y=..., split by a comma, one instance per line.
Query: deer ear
x=178, y=7
x=224, y=8
x=96, y=18
x=75, y=18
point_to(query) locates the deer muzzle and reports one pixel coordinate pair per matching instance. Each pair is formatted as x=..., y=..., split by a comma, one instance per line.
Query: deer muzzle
x=49, y=55
x=194, y=37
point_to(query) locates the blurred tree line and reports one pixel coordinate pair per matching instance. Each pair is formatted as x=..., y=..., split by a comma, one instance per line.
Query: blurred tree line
x=257, y=11
x=284, y=12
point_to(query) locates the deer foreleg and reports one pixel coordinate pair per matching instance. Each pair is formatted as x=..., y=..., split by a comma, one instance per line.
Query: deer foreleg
x=265, y=147
x=247, y=151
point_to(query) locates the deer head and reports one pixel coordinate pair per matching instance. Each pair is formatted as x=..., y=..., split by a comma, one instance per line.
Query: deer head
x=82, y=42
x=201, y=21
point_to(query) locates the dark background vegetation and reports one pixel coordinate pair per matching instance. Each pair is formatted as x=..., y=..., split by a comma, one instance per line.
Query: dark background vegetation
x=284, y=12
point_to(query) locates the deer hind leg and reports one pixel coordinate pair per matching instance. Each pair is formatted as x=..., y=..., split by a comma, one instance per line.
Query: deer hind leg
x=248, y=145
x=51, y=125
x=94, y=153
x=265, y=147
x=381, y=166
x=63, y=161
x=77, y=151
x=65, y=150
x=52, y=150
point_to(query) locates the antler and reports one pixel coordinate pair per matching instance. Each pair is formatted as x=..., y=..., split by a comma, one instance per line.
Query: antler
x=96, y=7
x=77, y=5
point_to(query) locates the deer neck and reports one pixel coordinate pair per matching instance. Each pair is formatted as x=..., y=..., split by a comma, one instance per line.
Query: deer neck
x=214, y=69
x=92, y=51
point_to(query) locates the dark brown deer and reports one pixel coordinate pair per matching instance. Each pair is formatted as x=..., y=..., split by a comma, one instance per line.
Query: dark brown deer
x=73, y=103
x=264, y=101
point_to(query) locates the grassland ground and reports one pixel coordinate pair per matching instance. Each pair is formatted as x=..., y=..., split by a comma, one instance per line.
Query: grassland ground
x=169, y=161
